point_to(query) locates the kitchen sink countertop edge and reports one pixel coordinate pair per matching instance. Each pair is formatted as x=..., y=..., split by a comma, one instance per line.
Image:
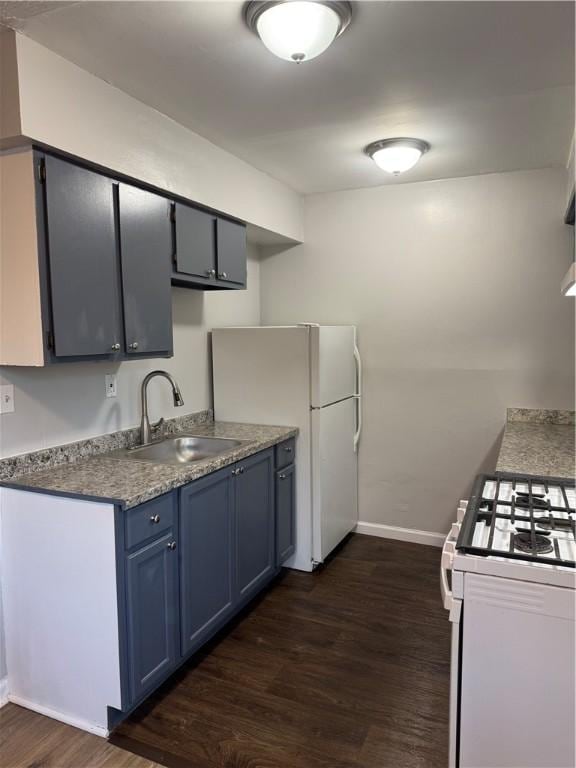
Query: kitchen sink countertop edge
x=130, y=482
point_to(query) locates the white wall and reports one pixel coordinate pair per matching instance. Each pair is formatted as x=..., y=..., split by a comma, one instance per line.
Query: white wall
x=66, y=107
x=455, y=288
x=63, y=403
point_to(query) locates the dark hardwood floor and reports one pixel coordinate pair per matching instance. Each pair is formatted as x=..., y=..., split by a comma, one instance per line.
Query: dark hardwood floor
x=347, y=667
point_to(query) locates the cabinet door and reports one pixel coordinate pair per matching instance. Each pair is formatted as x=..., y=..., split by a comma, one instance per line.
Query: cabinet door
x=207, y=553
x=285, y=513
x=151, y=584
x=83, y=263
x=195, y=242
x=255, y=539
x=146, y=252
x=231, y=250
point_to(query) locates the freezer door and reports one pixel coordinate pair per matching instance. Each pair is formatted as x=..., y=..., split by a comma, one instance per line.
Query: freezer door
x=334, y=476
x=332, y=363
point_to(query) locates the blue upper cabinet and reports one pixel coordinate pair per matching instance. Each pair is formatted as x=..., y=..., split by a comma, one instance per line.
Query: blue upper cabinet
x=145, y=257
x=255, y=525
x=209, y=252
x=94, y=276
x=194, y=246
x=231, y=252
x=106, y=267
x=207, y=557
x=82, y=261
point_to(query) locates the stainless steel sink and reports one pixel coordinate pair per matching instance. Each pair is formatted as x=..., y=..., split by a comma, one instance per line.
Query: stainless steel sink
x=181, y=449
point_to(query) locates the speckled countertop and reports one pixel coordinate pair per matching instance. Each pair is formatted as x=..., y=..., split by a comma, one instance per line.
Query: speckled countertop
x=537, y=442
x=127, y=482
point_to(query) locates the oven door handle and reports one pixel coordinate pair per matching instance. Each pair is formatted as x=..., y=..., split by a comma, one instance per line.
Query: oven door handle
x=451, y=604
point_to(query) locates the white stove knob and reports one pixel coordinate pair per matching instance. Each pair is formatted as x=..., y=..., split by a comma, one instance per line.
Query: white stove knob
x=460, y=512
x=455, y=530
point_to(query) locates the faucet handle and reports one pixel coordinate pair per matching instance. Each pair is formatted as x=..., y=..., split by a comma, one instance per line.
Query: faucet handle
x=157, y=424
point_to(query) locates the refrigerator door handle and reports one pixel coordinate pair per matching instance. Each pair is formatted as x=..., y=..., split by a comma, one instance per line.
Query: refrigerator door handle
x=358, y=397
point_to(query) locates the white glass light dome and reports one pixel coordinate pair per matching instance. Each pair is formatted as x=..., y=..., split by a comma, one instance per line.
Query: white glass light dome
x=397, y=155
x=298, y=30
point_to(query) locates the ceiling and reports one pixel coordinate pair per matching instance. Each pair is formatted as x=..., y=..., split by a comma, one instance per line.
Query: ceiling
x=489, y=84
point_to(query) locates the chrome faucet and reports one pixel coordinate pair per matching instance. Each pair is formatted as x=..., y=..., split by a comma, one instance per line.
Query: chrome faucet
x=145, y=427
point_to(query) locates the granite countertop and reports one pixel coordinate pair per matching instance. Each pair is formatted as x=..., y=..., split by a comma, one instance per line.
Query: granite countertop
x=127, y=482
x=538, y=443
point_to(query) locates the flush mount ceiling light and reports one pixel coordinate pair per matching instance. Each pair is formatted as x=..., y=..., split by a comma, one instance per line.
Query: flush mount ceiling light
x=396, y=155
x=297, y=30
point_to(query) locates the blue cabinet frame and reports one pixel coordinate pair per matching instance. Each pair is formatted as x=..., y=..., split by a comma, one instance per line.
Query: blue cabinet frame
x=187, y=562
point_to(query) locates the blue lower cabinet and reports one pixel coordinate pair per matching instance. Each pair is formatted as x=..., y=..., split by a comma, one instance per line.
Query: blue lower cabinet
x=183, y=584
x=285, y=513
x=206, y=557
x=152, y=614
x=255, y=525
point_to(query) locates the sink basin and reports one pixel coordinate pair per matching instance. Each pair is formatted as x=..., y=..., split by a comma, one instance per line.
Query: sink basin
x=183, y=449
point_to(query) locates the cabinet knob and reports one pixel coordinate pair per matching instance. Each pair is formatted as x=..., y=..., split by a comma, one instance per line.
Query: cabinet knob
x=223, y=275
x=235, y=472
x=134, y=345
x=210, y=273
x=115, y=347
x=241, y=470
x=282, y=476
x=155, y=518
x=288, y=449
x=172, y=545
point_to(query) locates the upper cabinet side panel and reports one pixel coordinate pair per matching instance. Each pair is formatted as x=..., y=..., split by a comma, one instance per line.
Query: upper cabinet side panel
x=20, y=315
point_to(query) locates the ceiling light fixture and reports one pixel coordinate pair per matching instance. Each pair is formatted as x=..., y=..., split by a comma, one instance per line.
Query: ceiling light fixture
x=396, y=155
x=297, y=30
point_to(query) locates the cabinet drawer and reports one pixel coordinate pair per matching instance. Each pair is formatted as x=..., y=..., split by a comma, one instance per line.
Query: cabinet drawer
x=150, y=519
x=285, y=453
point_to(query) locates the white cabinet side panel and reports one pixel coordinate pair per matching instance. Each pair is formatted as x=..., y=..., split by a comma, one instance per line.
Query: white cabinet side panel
x=60, y=601
x=261, y=376
x=518, y=675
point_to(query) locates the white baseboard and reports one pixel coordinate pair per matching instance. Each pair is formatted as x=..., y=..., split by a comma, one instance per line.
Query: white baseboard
x=3, y=691
x=401, y=534
x=84, y=725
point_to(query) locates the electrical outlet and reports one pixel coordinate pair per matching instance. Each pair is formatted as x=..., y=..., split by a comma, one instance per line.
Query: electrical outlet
x=111, y=385
x=7, y=398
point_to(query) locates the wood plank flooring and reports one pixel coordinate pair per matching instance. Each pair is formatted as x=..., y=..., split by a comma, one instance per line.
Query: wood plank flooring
x=29, y=740
x=347, y=667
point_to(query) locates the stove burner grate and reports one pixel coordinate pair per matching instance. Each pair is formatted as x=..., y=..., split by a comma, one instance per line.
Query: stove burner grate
x=533, y=545
x=556, y=523
x=521, y=517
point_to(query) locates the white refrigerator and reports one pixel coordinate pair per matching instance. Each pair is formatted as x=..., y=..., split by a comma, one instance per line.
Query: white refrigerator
x=308, y=376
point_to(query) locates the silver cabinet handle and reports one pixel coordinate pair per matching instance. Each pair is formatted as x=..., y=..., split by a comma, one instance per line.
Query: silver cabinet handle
x=282, y=477
x=223, y=275
x=241, y=470
x=172, y=545
x=210, y=273
x=155, y=518
x=115, y=347
x=134, y=345
x=235, y=472
x=288, y=449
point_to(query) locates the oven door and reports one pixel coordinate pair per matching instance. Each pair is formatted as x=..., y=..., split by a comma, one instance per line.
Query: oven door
x=451, y=588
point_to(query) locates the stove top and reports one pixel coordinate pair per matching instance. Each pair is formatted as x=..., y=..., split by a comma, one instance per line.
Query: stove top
x=523, y=518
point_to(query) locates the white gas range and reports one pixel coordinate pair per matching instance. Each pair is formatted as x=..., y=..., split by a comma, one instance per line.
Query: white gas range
x=508, y=582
